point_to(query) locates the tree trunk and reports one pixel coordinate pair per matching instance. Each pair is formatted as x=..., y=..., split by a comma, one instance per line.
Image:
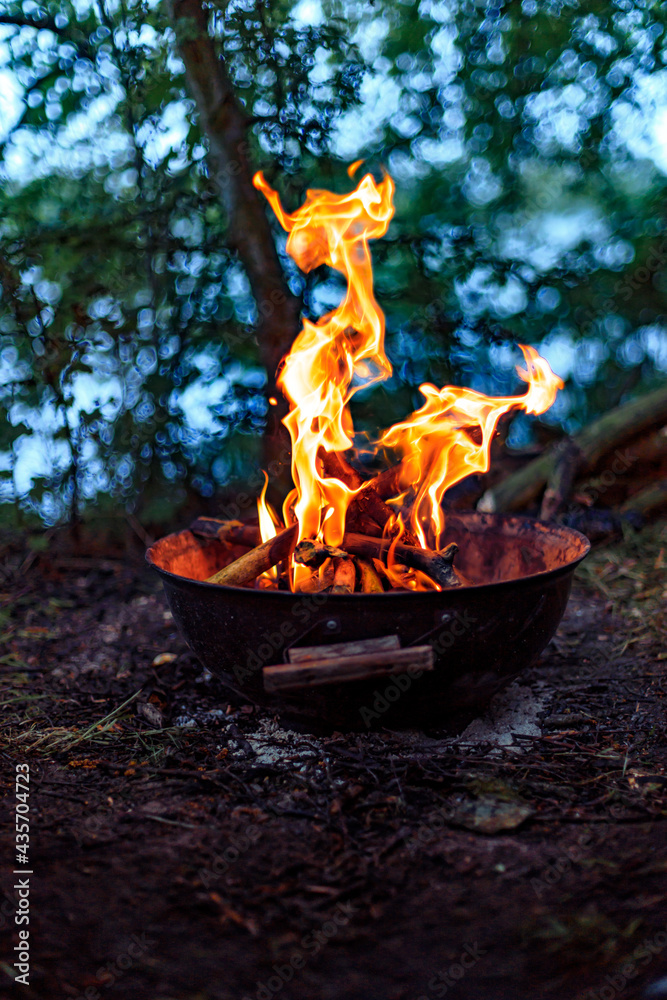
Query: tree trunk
x=224, y=122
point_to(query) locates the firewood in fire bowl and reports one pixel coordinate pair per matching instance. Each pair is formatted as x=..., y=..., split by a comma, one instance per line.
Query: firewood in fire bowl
x=437, y=566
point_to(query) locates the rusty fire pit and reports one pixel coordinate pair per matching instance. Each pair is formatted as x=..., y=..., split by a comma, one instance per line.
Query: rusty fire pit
x=378, y=626
x=437, y=654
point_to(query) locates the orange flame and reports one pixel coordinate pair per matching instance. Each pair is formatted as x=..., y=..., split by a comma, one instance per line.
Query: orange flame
x=443, y=442
x=345, y=345
x=436, y=445
x=268, y=519
x=402, y=576
x=268, y=525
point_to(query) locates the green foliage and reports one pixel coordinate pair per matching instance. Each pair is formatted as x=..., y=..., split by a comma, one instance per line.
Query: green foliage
x=121, y=306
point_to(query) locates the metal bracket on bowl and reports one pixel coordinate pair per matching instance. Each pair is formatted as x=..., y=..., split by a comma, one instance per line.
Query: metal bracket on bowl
x=330, y=627
x=311, y=666
x=448, y=623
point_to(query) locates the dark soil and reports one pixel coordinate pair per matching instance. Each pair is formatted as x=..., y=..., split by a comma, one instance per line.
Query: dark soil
x=187, y=846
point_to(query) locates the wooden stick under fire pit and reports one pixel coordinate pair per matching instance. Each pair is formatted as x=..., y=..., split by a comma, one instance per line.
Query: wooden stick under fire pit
x=338, y=669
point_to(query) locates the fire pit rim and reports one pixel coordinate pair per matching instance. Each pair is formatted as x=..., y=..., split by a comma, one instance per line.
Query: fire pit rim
x=481, y=517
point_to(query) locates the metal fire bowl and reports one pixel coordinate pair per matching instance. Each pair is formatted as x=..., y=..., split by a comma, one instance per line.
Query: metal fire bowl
x=482, y=635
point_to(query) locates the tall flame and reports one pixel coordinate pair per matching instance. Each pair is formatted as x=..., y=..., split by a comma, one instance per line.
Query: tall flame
x=436, y=443
x=344, y=346
x=446, y=440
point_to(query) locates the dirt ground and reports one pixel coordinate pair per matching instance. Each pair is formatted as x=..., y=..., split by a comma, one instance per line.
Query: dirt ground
x=186, y=845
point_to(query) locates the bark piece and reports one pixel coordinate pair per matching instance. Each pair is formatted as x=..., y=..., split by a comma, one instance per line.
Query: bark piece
x=310, y=553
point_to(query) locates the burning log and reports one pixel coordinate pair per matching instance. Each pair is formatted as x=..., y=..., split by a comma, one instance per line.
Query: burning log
x=370, y=579
x=368, y=509
x=437, y=566
x=336, y=466
x=319, y=581
x=344, y=576
x=386, y=484
x=249, y=566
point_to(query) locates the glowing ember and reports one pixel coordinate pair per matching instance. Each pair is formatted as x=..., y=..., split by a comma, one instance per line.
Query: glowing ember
x=443, y=442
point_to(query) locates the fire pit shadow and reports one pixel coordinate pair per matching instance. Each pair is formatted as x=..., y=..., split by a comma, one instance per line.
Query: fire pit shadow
x=481, y=635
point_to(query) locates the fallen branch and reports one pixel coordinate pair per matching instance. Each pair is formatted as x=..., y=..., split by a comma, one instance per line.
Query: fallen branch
x=594, y=442
x=651, y=498
x=561, y=479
